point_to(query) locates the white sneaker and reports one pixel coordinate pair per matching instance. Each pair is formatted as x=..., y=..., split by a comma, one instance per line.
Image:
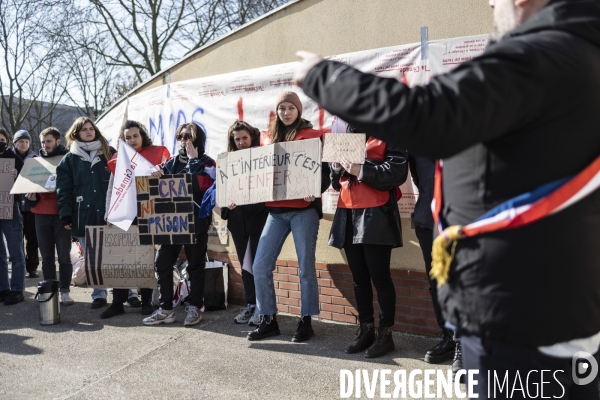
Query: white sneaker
x=254, y=319
x=66, y=299
x=193, y=317
x=245, y=315
x=160, y=316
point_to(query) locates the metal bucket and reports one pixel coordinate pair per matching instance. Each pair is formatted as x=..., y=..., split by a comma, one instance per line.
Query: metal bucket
x=47, y=298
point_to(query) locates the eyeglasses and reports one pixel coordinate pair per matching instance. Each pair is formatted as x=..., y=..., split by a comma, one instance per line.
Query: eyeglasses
x=181, y=137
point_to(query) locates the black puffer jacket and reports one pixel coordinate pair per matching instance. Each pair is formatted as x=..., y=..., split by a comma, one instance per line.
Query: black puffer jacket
x=523, y=114
x=375, y=225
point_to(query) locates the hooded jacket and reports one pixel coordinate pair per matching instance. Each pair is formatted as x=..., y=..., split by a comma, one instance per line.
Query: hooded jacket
x=521, y=115
x=46, y=203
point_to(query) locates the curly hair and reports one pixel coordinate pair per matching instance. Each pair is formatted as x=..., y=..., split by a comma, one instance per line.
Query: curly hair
x=141, y=127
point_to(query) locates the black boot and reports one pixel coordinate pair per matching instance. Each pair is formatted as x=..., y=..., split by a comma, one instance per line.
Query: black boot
x=114, y=310
x=304, y=330
x=365, y=337
x=384, y=343
x=267, y=327
x=457, y=364
x=442, y=351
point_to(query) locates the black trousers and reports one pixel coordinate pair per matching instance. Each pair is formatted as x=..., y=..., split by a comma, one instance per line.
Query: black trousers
x=32, y=259
x=425, y=237
x=241, y=244
x=120, y=295
x=527, y=371
x=371, y=263
x=196, y=256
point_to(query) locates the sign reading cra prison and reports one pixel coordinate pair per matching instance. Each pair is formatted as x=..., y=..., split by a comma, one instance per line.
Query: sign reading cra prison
x=114, y=258
x=6, y=184
x=280, y=171
x=165, y=209
x=38, y=175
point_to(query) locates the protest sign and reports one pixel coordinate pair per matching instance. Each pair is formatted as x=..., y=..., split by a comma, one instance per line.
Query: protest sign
x=281, y=171
x=6, y=184
x=218, y=233
x=349, y=146
x=115, y=258
x=38, y=175
x=165, y=209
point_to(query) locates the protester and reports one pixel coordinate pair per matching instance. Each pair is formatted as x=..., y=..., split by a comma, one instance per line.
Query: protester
x=81, y=184
x=135, y=135
x=245, y=223
x=190, y=160
x=21, y=142
x=367, y=226
x=422, y=171
x=54, y=238
x=301, y=217
x=507, y=123
x=12, y=292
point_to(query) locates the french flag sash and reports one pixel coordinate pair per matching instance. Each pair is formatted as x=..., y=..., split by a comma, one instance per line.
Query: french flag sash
x=521, y=210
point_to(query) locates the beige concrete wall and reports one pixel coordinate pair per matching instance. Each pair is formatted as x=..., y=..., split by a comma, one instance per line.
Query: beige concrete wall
x=332, y=27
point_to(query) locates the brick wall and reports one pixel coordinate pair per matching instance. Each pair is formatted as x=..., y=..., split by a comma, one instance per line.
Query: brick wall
x=414, y=312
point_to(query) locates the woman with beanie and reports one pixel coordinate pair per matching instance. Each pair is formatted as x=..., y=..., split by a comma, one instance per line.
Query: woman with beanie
x=190, y=160
x=81, y=184
x=301, y=218
x=136, y=135
x=245, y=223
x=367, y=226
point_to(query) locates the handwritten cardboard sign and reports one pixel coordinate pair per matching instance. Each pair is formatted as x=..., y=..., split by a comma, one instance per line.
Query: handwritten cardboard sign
x=349, y=146
x=6, y=184
x=36, y=176
x=116, y=259
x=165, y=209
x=281, y=171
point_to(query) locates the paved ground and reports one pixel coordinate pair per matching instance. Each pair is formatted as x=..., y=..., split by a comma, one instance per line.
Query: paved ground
x=84, y=357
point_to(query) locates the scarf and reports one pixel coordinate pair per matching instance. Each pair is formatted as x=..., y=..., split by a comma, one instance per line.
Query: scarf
x=87, y=151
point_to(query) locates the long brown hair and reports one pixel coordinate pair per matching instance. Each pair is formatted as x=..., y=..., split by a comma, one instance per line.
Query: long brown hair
x=73, y=134
x=242, y=126
x=279, y=132
x=143, y=132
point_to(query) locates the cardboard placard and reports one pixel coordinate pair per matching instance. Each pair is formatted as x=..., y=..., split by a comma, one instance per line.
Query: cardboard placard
x=6, y=183
x=116, y=259
x=218, y=233
x=36, y=176
x=349, y=146
x=165, y=209
x=281, y=171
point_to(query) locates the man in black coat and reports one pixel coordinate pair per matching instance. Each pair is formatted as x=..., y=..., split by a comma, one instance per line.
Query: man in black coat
x=521, y=115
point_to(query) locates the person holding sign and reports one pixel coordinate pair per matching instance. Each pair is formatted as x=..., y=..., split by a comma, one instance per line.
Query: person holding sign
x=81, y=184
x=367, y=226
x=301, y=217
x=11, y=292
x=49, y=227
x=136, y=135
x=245, y=223
x=190, y=160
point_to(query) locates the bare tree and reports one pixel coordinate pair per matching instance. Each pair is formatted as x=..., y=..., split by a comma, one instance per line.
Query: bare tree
x=145, y=35
x=29, y=46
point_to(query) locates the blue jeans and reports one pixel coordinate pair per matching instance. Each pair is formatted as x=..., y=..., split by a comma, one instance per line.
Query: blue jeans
x=13, y=232
x=101, y=293
x=304, y=225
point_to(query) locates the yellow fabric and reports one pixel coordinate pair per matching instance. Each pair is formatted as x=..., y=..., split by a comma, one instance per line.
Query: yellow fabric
x=441, y=257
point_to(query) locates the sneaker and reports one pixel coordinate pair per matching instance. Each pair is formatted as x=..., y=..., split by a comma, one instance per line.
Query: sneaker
x=160, y=316
x=304, y=330
x=193, y=317
x=267, y=327
x=133, y=301
x=254, y=319
x=14, y=298
x=97, y=303
x=245, y=314
x=66, y=299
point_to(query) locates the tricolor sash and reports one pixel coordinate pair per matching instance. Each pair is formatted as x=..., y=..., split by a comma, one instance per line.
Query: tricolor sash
x=521, y=210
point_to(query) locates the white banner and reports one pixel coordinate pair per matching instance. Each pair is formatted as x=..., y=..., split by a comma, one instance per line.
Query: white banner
x=214, y=102
x=123, y=199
